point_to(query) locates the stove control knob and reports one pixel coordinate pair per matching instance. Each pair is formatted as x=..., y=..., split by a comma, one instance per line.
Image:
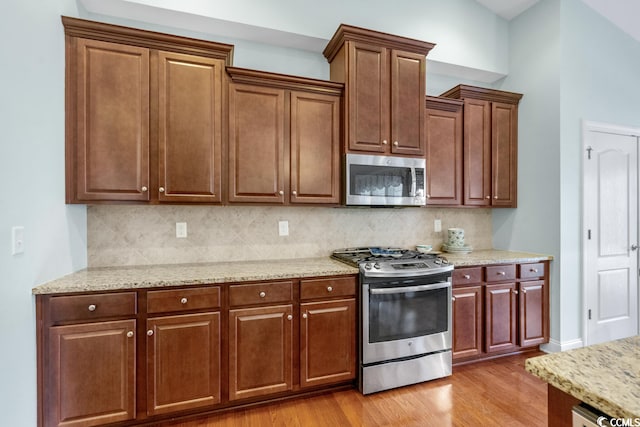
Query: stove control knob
x=445, y=261
x=376, y=266
x=437, y=261
x=367, y=266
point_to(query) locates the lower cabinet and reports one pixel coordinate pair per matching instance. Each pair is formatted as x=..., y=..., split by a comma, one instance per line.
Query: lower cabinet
x=260, y=351
x=499, y=309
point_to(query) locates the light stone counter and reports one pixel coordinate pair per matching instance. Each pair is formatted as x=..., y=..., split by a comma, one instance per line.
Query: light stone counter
x=605, y=376
x=492, y=256
x=149, y=276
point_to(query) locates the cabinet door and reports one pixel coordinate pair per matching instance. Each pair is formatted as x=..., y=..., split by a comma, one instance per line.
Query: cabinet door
x=256, y=144
x=532, y=313
x=477, y=152
x=190, y=128
x=367, y=98
x=260, y=351
x=315, y=148
x=467, y=321
x=408, y=89
x=91, y=374
x=444, y=157
x=500, y=317
x=327, y=342
x=111, y=141
x=504, y=147
x=183, y=362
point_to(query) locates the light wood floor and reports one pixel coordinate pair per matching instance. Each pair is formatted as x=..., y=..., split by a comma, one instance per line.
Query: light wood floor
x=494, y=393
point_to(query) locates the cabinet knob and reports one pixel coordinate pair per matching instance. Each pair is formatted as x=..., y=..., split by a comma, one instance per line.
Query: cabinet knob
x=289, y=317
x=524, y=291
x=150, y=332
x=161, y=189
x=130, y=334
x=384, y=142
x=453, y=299
x=329, y=288
x=92, y=307
x=534, y=270
x=395, y=143
x=294, y=192
x=183, y=301
x=502, y=273
x=262, y=294
x=495, y=197
x=144, y=189
x=304, y=315
x=515, y=292
x=428, y=196
x=466, y=276
x=281, y=193
x=487, y=197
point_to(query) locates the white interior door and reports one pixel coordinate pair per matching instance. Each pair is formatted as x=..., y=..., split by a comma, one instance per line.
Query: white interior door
x=611, y=233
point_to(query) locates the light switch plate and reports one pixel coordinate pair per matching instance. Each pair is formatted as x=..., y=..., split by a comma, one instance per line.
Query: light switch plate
x=283, y=228
x=17, y=240
x=181, y=230
x=437, y=226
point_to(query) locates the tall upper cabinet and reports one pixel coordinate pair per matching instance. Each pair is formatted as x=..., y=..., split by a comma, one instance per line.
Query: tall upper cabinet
x=385, y=86
x=490, y=150
x=143, y=115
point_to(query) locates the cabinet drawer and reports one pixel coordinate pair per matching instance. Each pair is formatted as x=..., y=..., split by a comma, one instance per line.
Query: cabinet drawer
x=92, y=306
x=183, y=299
x=531, y=270
x=260, y=293
x=500, y=273
x=465, y=276
x=327, y=288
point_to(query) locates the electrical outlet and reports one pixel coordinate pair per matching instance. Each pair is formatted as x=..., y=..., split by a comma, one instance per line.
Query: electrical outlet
x=437, y=226
x=283, y=228
x=181, y=230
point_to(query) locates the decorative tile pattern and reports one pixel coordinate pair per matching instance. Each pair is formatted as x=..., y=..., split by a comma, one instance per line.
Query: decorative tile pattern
x=605, y=376
x=145, y=235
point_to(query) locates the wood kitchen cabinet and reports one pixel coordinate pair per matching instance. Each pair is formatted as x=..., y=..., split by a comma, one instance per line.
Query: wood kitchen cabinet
x=90, y=364
x=490, y=153
x=143, y=115
x=499, y=309
x=385, y=86
x=183, y=350
x=327, y=331
x=443, y=124
x=261, y=348
x=284, y=139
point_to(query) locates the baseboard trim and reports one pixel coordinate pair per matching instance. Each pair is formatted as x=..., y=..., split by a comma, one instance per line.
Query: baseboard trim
x=555, y=346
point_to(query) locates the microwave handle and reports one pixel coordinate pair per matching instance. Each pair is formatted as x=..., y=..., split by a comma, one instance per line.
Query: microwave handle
x=413, y=182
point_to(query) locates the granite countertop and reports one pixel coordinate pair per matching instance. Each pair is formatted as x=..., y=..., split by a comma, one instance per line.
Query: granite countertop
x=605, y=376
x=149, y=276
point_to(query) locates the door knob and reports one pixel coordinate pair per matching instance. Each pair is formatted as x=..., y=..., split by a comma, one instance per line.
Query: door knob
x=634, y=247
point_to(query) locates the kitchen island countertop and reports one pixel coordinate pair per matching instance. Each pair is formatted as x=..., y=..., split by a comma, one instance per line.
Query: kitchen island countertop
x=605, y=376
x=151, y=276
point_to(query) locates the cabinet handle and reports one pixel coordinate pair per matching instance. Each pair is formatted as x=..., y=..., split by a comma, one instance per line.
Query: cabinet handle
x=150, y=332
x=129, y=334
x=395, y=143
x=384, y=142
x=262, y=294
x=466, y=276
x=161, y=189
x=144, y=189
x=92, y=307
x=329, y=289
x=183, y=301
x=289, y=317
x=304, y=315
x=502, y=273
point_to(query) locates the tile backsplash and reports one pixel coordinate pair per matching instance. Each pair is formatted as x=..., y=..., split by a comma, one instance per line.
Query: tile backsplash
x=134, y=235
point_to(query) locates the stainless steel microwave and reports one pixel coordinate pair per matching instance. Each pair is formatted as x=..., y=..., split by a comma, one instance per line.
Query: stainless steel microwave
x=373, y=180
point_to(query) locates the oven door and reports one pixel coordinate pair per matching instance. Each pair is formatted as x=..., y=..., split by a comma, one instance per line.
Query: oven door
x=404, y=318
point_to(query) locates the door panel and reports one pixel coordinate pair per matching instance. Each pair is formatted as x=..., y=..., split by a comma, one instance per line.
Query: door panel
x=408, y=89
x=611, y=221
x=477, y=152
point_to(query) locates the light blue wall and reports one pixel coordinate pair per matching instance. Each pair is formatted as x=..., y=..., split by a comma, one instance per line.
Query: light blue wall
x=32, y=173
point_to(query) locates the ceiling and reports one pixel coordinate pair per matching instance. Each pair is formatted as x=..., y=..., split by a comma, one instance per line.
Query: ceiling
x=622, y=13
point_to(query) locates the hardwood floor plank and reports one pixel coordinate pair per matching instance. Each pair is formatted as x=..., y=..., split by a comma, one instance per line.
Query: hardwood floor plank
x=493, y=393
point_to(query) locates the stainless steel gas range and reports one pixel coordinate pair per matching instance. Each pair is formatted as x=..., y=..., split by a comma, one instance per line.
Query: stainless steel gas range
x=404, y=316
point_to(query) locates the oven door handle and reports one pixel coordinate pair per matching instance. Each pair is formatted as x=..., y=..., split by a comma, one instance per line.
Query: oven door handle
x=406, y=289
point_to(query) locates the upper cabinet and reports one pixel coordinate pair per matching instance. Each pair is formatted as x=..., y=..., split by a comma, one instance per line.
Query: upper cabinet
x=284, y=139
x=490, y=145
x=385, y=86
x=143, y=115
